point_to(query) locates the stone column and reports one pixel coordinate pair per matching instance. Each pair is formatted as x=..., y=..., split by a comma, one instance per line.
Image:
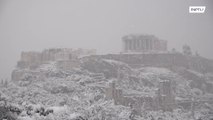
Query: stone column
x=135, y=45
x=139, y=45
x=142, y=44
x=126, y=45
x=149, y=44
x=146, y=45
x=131, y=44
x=152, y=44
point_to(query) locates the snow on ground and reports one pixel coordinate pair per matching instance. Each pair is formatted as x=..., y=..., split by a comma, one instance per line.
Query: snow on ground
x=77, y=95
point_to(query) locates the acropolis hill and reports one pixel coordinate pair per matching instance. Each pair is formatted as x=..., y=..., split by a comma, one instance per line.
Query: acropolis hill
x=138, y=50
x=144, y=79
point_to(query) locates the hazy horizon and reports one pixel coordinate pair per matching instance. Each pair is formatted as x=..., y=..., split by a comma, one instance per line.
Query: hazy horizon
x=27, y=25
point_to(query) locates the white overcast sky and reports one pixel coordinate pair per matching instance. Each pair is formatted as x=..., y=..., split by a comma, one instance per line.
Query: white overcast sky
x=27, y=25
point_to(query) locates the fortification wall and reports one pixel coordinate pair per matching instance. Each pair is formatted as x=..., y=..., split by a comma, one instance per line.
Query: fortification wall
x=168, y=60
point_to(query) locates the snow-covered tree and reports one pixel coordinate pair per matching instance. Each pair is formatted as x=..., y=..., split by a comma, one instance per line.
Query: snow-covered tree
x=187, y=50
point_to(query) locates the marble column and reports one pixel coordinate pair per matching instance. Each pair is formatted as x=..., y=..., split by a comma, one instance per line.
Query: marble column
x=126, y=45
x=142, y=45
x=130, y=44
x=135, y=45
x=146, y=45
x=151, y=44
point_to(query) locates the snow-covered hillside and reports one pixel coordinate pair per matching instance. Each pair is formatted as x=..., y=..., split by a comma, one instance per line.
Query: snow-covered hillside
x=49, y=93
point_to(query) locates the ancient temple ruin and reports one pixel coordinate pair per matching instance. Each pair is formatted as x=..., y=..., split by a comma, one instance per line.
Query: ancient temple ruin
x=143, y=43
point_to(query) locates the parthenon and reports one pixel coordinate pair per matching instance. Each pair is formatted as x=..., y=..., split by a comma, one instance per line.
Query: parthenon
x=143, y=43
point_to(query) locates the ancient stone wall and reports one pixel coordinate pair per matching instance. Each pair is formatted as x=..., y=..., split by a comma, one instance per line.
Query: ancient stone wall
x=67, y=64
x=168, y=60
x=33, y=59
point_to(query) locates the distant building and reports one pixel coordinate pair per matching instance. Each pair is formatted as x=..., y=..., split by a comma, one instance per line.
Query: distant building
x=143, y=43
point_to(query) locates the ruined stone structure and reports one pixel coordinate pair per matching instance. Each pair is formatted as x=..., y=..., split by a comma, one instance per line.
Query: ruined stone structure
x=166, y=98
x=163, y=100
x=63, y=59
x=64, y=56
x=143, y=43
